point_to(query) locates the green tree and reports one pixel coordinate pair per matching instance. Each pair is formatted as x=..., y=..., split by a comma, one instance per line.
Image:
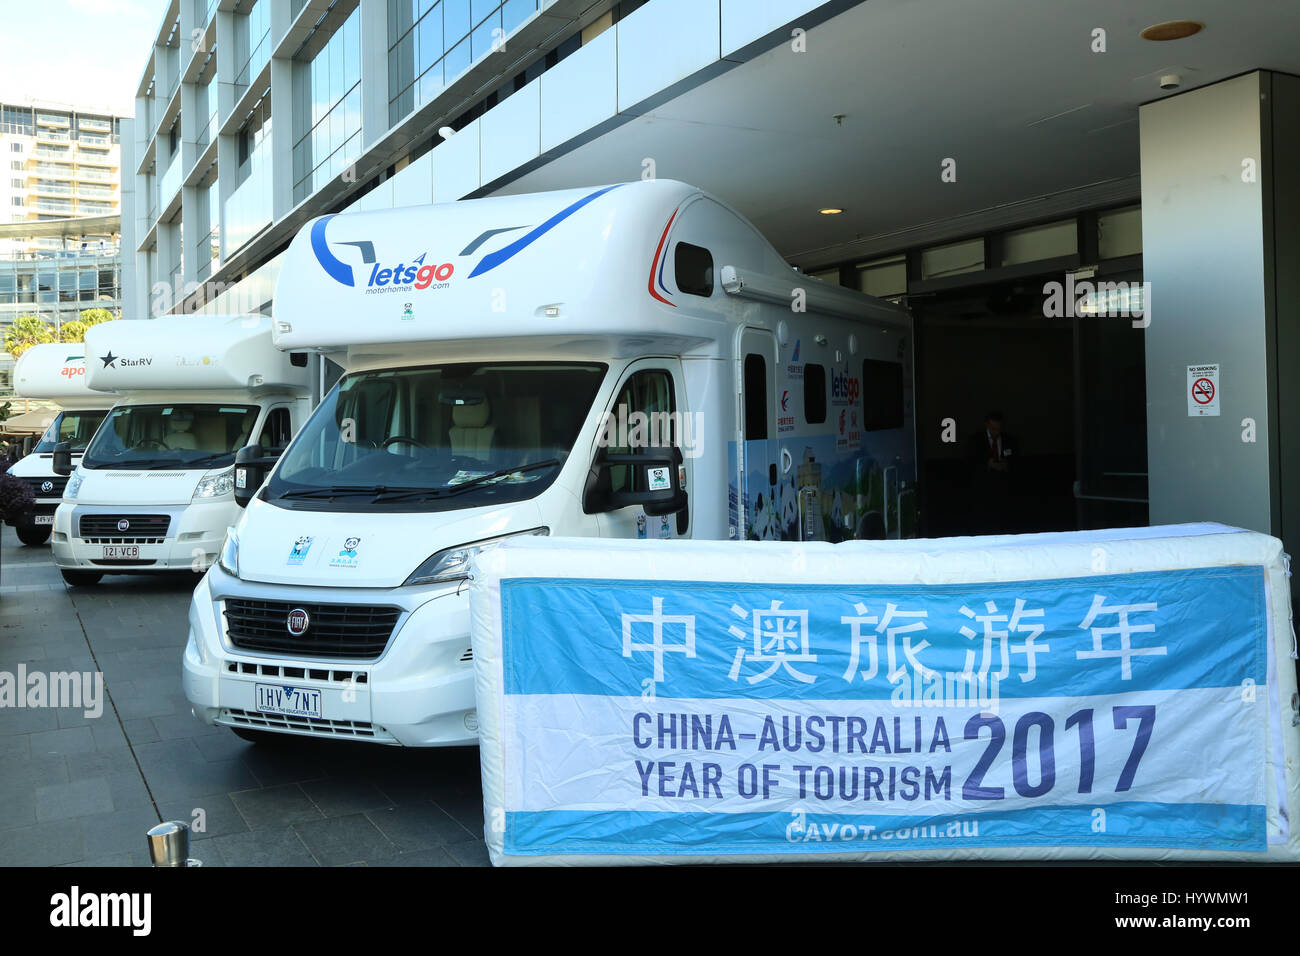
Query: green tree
x=26, y=331
x=75, y=329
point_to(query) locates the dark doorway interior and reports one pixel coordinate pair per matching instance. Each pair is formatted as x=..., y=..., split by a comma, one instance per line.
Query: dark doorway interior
x=1072, y=395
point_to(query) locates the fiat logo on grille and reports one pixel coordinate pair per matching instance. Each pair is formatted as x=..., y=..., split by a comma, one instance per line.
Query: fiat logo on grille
x=47, y=487
x=297, y=622
x=123, y=525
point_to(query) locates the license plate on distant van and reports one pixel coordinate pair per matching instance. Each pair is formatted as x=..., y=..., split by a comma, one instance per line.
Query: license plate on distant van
x=120, y=551
x=43, y=519
x=288, y=700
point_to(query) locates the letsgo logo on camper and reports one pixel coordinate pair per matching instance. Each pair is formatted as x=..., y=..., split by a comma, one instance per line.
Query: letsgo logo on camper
x=419, y=274
x=845, y=388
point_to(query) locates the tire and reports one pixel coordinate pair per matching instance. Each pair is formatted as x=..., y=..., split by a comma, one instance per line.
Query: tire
x=78, y=579
x=264, y=737
x=34, y=534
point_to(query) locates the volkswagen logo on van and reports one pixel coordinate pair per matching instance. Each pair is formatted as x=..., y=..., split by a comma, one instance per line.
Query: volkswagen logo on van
x=47, y=487
x=297, y=622
x=123, y=524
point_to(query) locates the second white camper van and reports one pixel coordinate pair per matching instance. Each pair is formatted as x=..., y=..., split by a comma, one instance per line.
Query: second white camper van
x=56, y=372
x=154, y=490
x=626, y=361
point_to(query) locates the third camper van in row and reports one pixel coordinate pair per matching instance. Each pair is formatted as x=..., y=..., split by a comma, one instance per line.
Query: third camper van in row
x=154, y=490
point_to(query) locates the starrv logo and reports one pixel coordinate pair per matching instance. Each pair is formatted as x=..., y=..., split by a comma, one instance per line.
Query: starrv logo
x=415, y=274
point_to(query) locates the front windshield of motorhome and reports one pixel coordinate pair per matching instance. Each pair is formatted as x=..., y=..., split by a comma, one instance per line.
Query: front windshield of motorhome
x=438, y=437
x=74, y=427
x=171, y=436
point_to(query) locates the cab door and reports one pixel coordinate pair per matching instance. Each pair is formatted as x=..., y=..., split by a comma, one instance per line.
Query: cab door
x=768, y=512
x=646, y=409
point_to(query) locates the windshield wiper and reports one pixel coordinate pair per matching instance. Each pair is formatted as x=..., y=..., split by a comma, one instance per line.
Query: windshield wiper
x=398, y=494
x=504, y=473
x=143, y=463
x=334, y=492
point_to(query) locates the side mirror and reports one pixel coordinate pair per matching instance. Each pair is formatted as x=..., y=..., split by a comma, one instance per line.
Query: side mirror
x=63, y=458
x=251, y=467
x=656, y=483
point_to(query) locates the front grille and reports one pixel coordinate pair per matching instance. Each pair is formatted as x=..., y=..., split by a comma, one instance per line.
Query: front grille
x=140, y=529
x=58, y=483
x=334, y=630
x=235, y=717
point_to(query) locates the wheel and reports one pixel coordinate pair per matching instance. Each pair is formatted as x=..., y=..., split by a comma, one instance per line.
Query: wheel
x=81, y=578
x=258, y=736
x=34, y=534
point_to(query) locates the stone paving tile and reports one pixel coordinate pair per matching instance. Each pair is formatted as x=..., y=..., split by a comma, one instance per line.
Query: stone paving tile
x=79, y=798
x=272, y=807
x=342, y=840
x=279, y=847
x=82, y=791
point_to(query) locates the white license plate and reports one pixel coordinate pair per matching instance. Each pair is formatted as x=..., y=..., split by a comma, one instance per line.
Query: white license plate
x=288, y=700
x=43, y=519
x=121, y=551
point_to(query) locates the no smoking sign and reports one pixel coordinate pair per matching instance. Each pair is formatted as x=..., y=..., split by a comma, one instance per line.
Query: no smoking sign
x=1202, y=390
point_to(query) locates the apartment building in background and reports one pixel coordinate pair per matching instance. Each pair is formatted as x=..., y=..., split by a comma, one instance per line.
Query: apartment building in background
x=253, y=116
x=60, y=213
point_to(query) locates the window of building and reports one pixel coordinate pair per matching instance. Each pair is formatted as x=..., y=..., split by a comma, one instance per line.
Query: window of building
x=693, y=269
x=327, y=120
x=16, y=164
x=952, y=259
x=1040, y=242
x=16, y=183
x=814, y=394
x=16, y=147
x=882, y=395
x=883, y=277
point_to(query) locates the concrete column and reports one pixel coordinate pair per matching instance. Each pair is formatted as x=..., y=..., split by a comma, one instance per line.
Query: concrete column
x=1220, y=238
x=374, y=71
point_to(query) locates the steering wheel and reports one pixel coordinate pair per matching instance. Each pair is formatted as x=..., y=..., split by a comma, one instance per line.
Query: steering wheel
x=152, y=443
x=406, y=439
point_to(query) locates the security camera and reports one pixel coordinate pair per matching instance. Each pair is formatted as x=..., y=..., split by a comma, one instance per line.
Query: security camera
x=1170, y=81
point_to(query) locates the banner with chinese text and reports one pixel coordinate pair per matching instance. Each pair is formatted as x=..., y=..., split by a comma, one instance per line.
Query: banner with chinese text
x=710, y=718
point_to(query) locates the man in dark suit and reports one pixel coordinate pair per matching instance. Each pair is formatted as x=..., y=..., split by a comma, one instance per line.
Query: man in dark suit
x=990, y=453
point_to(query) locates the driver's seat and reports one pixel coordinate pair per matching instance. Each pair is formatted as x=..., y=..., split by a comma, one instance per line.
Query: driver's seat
x=470, y=434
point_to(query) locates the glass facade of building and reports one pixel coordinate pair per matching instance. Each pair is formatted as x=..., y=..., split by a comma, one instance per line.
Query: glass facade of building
x=431, y=42
x=327, y=114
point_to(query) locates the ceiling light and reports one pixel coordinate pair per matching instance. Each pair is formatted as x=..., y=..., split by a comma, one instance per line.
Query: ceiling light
x=830, y=211
x=1173, y=30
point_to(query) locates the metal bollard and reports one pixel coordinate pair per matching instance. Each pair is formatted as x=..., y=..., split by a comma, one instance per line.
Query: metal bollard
x=169, y=844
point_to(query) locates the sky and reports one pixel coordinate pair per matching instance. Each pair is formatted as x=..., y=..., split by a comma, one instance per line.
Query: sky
x=87, y=53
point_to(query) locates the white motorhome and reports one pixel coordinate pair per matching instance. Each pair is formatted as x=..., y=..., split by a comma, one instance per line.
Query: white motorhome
x=626, y=361
x=154, y=490
x=55, y=372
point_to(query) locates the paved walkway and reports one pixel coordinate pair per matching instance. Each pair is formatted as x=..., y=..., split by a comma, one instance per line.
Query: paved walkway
x=83, y=790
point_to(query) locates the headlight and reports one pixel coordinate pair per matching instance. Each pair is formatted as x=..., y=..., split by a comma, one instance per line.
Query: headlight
x=214, y=486
x=228, y=559
x=73, y=485
x=452, y=564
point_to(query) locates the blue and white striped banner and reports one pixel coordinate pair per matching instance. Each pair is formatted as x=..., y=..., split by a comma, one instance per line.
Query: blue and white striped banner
x=708, y=718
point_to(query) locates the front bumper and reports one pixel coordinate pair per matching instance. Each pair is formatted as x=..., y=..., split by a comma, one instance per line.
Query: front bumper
x=191, y=543
x=418, y=693
x=42, y=514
